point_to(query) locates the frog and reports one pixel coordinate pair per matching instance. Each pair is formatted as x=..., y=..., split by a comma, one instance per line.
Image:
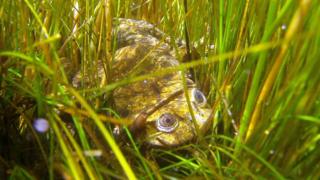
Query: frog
x=156, y=106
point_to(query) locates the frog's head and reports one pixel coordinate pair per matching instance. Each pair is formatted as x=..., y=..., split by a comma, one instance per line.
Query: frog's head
x=172, y=124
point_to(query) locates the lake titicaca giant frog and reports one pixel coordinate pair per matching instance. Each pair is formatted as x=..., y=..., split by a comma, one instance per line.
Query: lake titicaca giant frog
x=157, y=105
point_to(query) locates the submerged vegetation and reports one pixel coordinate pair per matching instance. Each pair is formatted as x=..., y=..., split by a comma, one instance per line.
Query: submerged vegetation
x=258, y=65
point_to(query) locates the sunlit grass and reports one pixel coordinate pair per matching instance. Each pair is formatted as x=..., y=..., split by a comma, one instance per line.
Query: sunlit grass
x=259, y=67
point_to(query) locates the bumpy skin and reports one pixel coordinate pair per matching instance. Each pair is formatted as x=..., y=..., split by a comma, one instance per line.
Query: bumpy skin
x=142, y=48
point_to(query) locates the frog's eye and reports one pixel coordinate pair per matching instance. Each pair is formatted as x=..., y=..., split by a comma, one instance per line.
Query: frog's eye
x=167, y=123
x=198, y=97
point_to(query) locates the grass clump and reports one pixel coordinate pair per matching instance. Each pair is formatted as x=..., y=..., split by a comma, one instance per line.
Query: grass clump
x=258, y=65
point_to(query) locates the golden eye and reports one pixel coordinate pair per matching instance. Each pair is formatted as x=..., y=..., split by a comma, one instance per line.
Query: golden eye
x=167, y=123
x=198, y=97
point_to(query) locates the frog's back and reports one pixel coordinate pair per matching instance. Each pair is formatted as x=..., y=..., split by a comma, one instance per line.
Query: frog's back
x=142, y=49
x=139, y=45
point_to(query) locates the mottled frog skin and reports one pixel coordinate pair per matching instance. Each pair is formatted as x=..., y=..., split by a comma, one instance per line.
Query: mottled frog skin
x=157, y=106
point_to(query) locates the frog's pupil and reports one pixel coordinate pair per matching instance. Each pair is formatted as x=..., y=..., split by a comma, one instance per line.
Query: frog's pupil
x=168, y=120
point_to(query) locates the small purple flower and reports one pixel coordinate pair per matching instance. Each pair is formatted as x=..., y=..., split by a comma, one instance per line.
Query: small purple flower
x=41, y=125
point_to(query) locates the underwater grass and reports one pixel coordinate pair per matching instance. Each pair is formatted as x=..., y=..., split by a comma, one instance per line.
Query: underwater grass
x=258, y=65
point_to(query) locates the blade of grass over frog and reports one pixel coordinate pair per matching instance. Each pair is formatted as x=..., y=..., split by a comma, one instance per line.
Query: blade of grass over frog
x=102, y=117
x=295, y=24
x=43, y=67
x=74, y=168
x=123, y=162
x=257, y=156
x=186, y=94
x=87, y=167
x=184, y=66
x=135, y=69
